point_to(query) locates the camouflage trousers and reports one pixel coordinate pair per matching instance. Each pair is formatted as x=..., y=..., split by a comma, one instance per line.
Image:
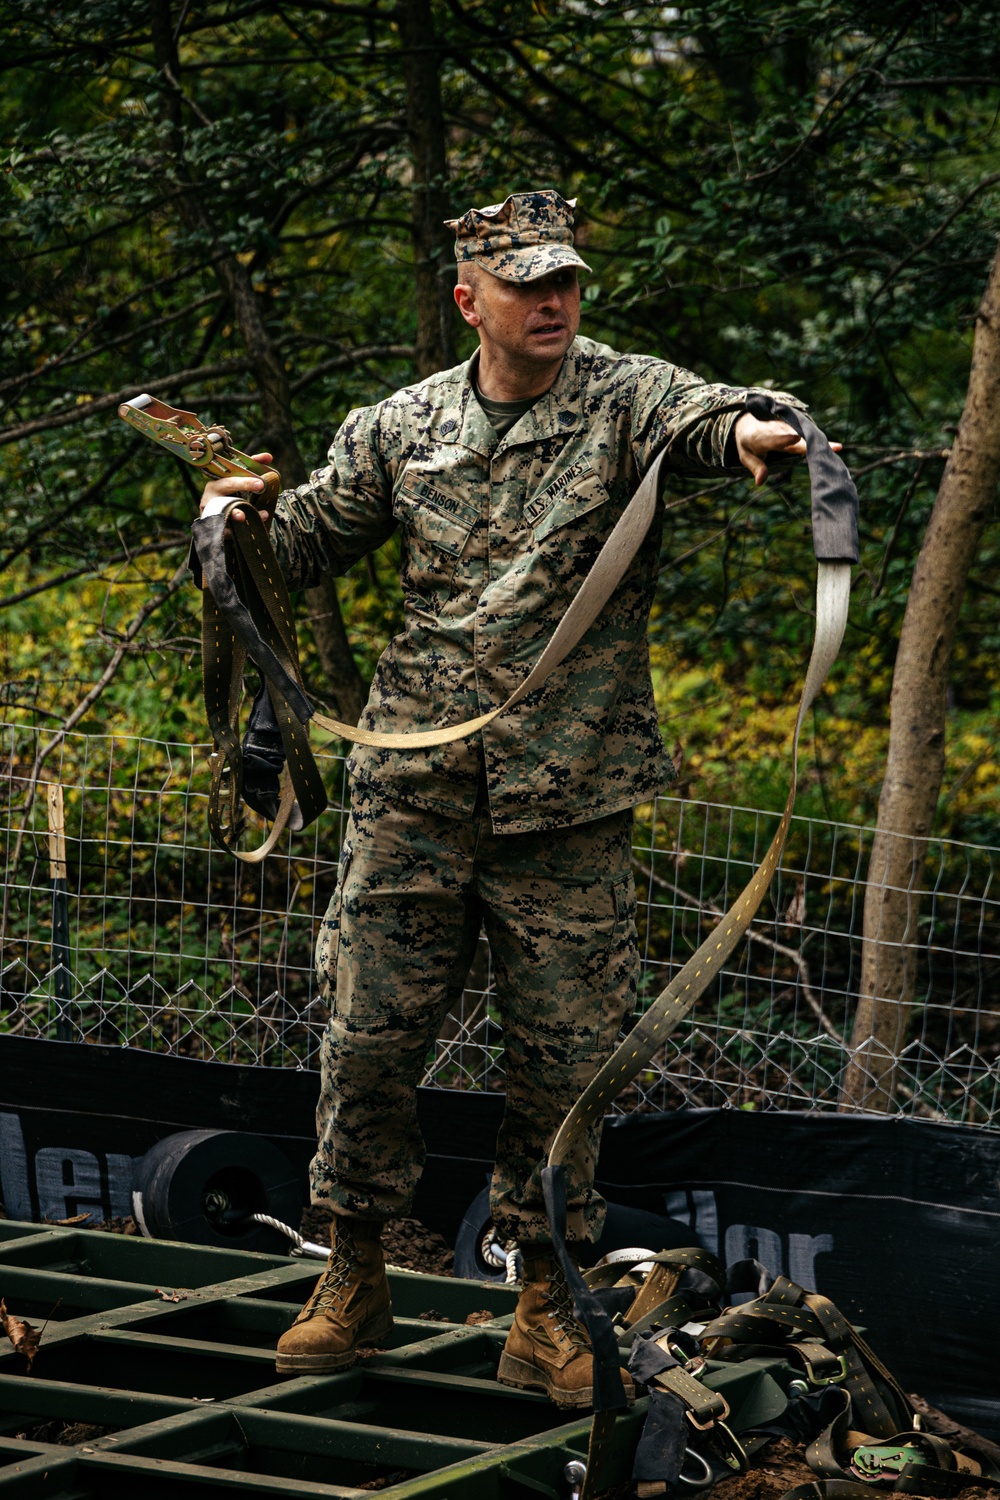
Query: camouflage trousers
x=414, y=893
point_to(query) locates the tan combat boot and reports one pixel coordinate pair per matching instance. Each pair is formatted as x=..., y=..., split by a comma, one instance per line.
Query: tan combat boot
x=350, y=1305
x=547, y=1349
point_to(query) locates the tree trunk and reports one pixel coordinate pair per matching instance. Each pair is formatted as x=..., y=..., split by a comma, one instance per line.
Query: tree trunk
x=915, y=762
x=345, y=682
x=433, y=257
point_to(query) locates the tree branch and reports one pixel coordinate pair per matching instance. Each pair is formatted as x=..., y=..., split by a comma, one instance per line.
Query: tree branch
x=350, y=357
x=81, y=500
x=104, y=403
x=64, y=361
x=971, y=81
x=936, y=234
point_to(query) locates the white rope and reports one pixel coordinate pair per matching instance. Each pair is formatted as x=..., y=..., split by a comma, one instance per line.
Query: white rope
x=303, y=1247
x=495, y=1254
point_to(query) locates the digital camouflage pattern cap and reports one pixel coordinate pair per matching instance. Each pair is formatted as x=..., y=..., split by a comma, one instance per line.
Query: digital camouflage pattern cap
x=524, y=237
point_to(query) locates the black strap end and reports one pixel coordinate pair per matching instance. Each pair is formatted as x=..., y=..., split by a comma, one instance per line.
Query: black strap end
x=609, y=1391
x=834, y=496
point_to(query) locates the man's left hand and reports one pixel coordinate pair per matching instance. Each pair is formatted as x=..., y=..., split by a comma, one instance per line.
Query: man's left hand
x=756, y=440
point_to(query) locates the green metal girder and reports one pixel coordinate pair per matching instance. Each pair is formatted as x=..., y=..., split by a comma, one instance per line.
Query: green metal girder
x=189, y=1402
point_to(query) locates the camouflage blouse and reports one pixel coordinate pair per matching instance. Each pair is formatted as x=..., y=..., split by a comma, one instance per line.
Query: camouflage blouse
x=497, y=537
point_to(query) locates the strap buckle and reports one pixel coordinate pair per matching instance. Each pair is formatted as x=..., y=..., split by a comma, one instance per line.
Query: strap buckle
x=729, y=1447
x=692, y=1364
x=815, y=1379
x=714, y=1421
x=731, y=1450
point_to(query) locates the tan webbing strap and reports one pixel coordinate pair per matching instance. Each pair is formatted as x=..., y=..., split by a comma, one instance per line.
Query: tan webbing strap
x=851, y=1462
x=833, y=590
x=784, y=1314
x=607, y=571
x=268, y=634
x=224, y=655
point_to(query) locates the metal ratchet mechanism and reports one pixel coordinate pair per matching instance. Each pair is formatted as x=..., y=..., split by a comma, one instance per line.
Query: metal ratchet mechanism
x=207, y=448
x=884, y=1461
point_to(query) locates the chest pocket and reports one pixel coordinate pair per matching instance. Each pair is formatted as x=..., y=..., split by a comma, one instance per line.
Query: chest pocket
x=567, y=500
x=436, y=527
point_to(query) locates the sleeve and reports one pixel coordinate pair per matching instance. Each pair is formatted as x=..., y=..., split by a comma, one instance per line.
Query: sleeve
x=344, y=510
x=692, y=419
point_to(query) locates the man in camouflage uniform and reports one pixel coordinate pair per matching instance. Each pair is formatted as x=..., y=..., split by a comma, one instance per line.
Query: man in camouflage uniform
x=505, y=476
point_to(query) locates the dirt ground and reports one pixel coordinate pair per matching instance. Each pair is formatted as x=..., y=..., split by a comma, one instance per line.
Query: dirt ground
x=777, y=1468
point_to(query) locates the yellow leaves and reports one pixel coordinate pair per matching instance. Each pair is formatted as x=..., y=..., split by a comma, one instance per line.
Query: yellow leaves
x=977, y=744
x=972, y=776
x=686, y=684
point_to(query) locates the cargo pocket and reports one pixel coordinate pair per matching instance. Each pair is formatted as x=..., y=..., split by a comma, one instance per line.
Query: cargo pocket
x=435, y=527
x=328, y=942
x=622, y=973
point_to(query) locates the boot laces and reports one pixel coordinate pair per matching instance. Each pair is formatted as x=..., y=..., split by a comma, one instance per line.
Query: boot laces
x=565, y=1321
x=343, y=1259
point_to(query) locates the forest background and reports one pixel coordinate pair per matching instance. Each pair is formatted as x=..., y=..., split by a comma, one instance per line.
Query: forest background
x=238, y=208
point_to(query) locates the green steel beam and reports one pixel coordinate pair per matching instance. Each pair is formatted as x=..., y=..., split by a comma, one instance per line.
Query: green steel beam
x=197, y=1410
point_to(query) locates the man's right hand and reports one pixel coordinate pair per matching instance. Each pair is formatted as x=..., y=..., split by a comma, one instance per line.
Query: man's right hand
x=233, y=484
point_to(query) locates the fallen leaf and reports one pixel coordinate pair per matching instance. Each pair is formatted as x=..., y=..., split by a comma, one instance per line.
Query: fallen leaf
x=170, y=1296
x=483, y=1316
x=22, y=1334
x=76, y=1219
x=796, y=913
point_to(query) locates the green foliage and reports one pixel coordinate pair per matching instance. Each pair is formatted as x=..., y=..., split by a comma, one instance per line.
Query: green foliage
x=797, y=194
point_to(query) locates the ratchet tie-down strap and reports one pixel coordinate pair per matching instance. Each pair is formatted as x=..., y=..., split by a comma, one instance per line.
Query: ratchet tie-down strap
x=858, y=1422
x=247, y=613
x=835, y=541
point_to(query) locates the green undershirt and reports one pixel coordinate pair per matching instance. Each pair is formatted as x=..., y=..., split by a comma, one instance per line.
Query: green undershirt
x=503, y=414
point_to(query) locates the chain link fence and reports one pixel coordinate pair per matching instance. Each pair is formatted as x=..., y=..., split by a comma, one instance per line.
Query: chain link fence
x=170, y=945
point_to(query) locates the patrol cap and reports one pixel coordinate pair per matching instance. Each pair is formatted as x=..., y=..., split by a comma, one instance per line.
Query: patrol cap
x=524, y=237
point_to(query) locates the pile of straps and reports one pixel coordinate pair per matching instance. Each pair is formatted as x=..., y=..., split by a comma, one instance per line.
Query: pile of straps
x=811, y=1378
